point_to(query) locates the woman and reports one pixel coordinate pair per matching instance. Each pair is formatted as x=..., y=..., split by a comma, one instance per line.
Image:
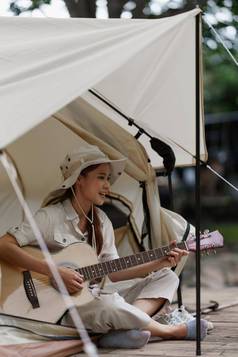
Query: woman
x=71, y=215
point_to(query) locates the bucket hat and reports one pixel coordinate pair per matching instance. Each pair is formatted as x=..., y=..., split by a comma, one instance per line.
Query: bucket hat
x=75, y=162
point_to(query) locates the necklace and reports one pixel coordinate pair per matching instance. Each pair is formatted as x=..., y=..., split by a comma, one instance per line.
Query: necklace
x=91, y=221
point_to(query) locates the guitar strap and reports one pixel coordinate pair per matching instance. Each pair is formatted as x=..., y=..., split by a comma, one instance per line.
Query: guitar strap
x=30, y=289
x=186, y=233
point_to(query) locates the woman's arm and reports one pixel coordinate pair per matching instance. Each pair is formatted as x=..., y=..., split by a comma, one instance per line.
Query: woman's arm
x=142, y=270
x=11, y=253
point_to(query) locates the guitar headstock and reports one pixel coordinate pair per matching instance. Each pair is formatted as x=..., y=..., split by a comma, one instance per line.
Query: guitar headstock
x=208, y=241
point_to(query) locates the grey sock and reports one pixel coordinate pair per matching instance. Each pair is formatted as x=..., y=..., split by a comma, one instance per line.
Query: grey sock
x=191, y=326
x=124, y=339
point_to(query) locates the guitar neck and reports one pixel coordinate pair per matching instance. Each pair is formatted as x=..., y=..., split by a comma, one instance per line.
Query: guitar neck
x=99, y=270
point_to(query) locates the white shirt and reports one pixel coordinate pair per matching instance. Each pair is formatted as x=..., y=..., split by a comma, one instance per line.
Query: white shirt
x=59, y=226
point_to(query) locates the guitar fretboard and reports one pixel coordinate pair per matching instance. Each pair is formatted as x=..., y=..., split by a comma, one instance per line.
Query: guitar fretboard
x=99, y=270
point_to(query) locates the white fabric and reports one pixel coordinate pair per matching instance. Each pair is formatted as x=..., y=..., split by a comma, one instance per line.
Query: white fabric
x=131, y=62
x=59, y=227
x=145, y=67
x=113, y=308
x=39, y=170
x=140, y=65
x=30, y=330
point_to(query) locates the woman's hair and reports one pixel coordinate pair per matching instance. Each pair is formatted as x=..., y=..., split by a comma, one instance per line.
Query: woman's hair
x=96, y=220
x=68, y=194
x=63, y=195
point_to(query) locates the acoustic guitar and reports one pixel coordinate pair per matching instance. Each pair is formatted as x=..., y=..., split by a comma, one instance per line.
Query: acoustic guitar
x=29, y=294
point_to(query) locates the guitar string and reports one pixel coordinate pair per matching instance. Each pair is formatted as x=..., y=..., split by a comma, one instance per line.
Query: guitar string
x=44, y=280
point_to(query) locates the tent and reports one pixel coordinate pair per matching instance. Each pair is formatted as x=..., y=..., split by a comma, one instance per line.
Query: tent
x=146, y=68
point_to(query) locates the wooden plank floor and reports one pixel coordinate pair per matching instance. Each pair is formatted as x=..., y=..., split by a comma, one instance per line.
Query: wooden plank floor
x=222, y=341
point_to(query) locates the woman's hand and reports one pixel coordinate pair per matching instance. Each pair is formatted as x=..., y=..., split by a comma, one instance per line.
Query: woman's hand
x=173, y=257
x=72, y=280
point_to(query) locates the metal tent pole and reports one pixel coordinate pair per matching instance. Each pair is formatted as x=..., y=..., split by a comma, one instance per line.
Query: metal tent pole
x=197, y=187
x=171, y=203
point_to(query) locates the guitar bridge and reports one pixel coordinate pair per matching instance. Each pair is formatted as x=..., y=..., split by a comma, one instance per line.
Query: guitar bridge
x=30, y=289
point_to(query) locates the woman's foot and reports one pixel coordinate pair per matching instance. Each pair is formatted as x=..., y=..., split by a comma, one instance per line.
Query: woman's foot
x=124, y=339
x=192, y=329
x=188, y=330
x=177, y=317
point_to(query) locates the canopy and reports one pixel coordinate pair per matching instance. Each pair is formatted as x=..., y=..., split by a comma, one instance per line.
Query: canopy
x=145, y=67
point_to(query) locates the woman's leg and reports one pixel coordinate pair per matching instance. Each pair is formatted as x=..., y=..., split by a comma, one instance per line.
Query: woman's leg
x=177, y=332
x=150, y=306
x=186, y=331
x=153, y=292
x=112, y=312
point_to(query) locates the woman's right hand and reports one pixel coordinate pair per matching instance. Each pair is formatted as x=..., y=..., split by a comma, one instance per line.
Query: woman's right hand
x=72, y=280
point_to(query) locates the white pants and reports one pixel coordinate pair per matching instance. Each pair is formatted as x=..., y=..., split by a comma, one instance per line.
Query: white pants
x=112, y=309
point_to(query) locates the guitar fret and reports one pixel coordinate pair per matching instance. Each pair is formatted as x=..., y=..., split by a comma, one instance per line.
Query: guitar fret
x=142, y=258
x=90, y=273
x=109, y=267
x=93, y=271
x=118, y=264
x=130, y=262
x=158, y=253
x=146, y=256
x=151, y=255
x=101, y=270
x=165, y=250
x=83, y=271
x=139, y=258
x=104, y=268
x=79, y=270
x=97, y=270
x=114, y=266
x=123, y=263
x=87, y=269
x=133, y=260
x=127, y=261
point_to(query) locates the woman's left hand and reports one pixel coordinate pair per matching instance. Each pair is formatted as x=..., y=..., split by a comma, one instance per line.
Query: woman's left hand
x=173, y=257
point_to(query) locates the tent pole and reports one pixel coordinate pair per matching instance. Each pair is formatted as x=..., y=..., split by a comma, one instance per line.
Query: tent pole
x=171, y=204
x=197, y=188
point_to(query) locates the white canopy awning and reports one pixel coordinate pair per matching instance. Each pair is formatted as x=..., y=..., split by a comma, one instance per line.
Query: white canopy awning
x=144, y=67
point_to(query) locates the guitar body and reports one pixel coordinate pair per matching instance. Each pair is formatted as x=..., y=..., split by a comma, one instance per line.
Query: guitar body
x=14, y=300
x=31, y=295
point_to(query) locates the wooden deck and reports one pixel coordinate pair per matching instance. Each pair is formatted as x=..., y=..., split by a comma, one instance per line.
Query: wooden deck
x=222, y=341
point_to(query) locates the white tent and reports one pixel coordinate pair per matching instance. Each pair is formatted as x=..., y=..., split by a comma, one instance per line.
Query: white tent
x=142, y=66
x=146, y=68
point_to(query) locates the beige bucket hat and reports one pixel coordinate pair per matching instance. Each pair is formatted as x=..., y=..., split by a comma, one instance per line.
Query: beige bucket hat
x=75, y=162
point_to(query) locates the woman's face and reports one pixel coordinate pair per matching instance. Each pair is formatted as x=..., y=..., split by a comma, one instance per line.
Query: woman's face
x=94, y=185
